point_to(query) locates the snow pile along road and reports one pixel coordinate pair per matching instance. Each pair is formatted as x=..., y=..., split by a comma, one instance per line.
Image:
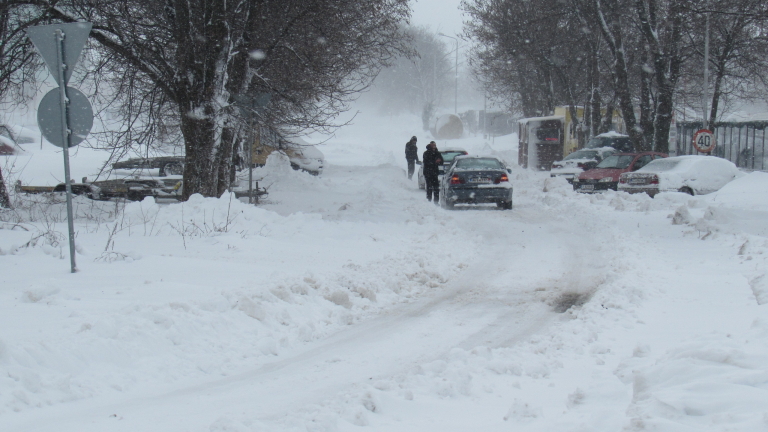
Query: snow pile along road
x=347, y=302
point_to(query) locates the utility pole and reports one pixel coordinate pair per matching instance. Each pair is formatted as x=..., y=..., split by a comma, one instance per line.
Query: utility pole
x=456, y=71
x=705, y=89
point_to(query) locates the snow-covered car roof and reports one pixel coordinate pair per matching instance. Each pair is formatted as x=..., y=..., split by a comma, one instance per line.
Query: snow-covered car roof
x=611, y=134
x=601, y=150
x=683, y=163
x=309, y=151
x=304, y=148
x=703, y=174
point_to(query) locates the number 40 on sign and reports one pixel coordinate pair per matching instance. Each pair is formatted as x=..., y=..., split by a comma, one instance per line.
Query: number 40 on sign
x=704, y=140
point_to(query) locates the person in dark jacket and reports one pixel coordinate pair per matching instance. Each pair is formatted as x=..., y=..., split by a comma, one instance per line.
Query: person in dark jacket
x=411, y=156
x=432, y=160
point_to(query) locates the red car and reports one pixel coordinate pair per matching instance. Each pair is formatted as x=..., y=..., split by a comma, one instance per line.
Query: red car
x=606, y=174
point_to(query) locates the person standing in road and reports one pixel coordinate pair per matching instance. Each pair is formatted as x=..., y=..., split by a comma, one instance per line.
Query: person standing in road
x=411, y=156
x=432, y=160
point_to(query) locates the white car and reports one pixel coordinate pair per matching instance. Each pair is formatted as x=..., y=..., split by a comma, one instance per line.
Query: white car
x=694, y=175
x=579, y=161
x=17, y=134
x=448, y=155
x=306, y=157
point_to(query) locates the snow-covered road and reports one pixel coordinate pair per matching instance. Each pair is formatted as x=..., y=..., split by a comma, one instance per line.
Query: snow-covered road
x=347, y=302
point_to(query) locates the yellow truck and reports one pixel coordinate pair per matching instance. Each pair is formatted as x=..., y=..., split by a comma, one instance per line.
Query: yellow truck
x=543, y=140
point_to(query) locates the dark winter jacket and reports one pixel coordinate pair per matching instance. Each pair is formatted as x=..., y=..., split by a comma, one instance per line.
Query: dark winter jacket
x=411, y=151
x=431, y=161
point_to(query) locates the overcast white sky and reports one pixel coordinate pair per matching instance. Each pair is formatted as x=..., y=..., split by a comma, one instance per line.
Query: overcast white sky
x=439, y=15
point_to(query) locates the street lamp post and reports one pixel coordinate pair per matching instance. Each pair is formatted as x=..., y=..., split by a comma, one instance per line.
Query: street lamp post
x=456, y=71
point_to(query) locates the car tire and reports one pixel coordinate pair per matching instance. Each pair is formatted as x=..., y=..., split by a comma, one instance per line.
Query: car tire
x=687, y=190
x=504, y=205
x=172, y=168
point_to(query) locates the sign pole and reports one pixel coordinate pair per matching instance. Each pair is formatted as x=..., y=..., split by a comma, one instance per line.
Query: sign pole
x=705, y=88
x=65, y=116
x=250, y=160
x=65, y=139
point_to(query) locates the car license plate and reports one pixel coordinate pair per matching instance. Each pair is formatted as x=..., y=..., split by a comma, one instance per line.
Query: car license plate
x=588, y=187
x=636, y=181
x=480, y=180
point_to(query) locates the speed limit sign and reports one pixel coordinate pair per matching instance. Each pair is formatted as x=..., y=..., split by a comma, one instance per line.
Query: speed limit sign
x=704, y=141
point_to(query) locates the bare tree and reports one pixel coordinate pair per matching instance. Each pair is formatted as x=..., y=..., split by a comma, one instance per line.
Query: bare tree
x=534, y=53
x=416, y=81
x=17, y=62
x=183, y=63
x=738, y=53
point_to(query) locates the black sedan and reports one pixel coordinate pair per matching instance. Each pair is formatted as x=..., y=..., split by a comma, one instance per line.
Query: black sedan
x=476, y=180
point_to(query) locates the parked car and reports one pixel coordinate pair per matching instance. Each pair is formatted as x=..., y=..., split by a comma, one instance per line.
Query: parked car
x=87, y=189
x=168, y=165
x=476, y=180
x=448, y=155
x=17, y=134
x=137, y=189
x=694, y=175
x=605, y=176
x=618, y=141
x=579, y=161
x=7, y=146
x=306, y=157
x=301, y=154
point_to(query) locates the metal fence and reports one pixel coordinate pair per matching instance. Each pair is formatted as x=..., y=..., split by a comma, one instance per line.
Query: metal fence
x=743, y=143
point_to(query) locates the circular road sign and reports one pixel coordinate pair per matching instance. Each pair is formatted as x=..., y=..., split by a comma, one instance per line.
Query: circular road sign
x=704, y=141
x=80, y=117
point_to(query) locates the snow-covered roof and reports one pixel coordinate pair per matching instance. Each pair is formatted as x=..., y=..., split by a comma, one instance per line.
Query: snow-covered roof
x=532, y=119
x=611, y=134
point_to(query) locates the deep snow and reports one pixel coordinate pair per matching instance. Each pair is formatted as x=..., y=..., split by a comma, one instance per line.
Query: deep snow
x=347, y=302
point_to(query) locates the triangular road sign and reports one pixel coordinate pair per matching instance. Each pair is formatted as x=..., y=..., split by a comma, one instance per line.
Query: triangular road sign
x=75, y=37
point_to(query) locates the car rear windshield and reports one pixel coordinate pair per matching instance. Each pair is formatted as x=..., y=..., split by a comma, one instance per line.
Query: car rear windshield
x=582, y=154
x=479, y=163
x=615, y=142
x=616, y=161
x=661, y=165
x=448, y=156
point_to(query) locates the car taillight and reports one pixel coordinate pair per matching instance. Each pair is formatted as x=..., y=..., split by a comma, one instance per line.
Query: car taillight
x=503, y=178
x=622, y=180
x=456, y=180
x=654, y=179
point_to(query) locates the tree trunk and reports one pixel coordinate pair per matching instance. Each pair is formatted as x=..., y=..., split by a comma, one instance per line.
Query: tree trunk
x=646, y=108
x=199, y=138
x=720, y=70
x=607, y=123
x=224, y=160
x=5, y=199
x=595, y=101
x=204, y=42
x=666, y=63
x=613, y=36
